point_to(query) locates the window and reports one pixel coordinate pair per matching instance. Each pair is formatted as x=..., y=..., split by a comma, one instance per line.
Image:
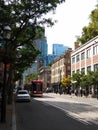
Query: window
x=69, y=68
x=82, y=55
x=95, y=67
x=95, y=50
x=73, y=72
x=88, y=53
x=83, y=70
x=68, y=60
x=77, y=70
x=88, y=68
x=73, y=60
x=77, y=58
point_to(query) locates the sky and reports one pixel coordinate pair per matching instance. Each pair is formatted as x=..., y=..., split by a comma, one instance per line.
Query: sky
x=72, y=16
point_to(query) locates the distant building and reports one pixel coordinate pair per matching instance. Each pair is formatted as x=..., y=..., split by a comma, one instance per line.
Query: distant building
x=59, y=49
x=50, y=58
x=60, y=68
x=45, y=75
x=41, y=45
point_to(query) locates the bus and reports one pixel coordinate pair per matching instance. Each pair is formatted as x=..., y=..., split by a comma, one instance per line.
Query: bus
x=36, y=88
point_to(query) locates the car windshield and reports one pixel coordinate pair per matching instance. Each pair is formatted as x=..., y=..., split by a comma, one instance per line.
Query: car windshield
x=22, y=92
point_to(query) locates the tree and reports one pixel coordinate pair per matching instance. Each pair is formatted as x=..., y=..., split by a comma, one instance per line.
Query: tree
x=31, y=77
x=90, y=31
x=86, y=82
x=76, y=78
x=66, y=84
x=95, y=82
x=26, y=20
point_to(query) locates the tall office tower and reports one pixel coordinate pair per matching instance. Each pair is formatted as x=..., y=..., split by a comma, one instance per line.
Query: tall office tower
x=41, y=45
x=59, y=49
x=50, y=58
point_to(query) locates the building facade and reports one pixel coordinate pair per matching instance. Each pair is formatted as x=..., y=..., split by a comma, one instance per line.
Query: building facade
x=85, y=57
x=50, y=58
x=45, y=75
x=59, y=49
x=41, y=45
x=61, y=68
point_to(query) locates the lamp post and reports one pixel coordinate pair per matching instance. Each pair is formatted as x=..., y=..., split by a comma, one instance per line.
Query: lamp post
x=6, y=36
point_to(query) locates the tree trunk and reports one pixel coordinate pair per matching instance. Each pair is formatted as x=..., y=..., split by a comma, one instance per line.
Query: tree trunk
x=10, y=87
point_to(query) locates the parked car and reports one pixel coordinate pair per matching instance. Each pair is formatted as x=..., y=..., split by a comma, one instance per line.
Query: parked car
x=23, y=95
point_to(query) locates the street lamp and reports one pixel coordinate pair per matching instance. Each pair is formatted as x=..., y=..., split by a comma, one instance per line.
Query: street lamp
x=6, y=37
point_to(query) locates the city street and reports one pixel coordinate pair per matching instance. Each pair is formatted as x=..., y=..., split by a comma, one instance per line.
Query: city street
x=60, y=112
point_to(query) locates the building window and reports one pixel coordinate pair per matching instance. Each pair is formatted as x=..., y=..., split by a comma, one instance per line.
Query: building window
x=68, y=60
x=77, y=70
x=73, y=60
x=88, y=53
x=88, y=68
x=95, y=50
x=82, y=55
x=83, y=70
x=95, y=67
x=77, y=58
x=69, y=68
x=73, y=72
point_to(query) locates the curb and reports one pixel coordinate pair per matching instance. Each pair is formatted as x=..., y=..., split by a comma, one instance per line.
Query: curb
x=13, y=117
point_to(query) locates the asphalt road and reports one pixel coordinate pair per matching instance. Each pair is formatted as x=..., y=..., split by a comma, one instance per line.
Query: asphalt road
x=38, y=115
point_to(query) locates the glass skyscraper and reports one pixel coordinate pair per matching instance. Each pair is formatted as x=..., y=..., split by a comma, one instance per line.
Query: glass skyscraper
x=59, y=49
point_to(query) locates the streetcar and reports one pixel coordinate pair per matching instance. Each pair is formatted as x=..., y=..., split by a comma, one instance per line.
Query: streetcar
x=36, y=88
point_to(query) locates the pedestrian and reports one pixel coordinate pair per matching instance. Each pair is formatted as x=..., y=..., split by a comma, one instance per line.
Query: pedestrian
x=81, y=92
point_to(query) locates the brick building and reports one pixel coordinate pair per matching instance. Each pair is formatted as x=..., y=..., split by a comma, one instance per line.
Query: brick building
x=85, y=57
x=60, y=68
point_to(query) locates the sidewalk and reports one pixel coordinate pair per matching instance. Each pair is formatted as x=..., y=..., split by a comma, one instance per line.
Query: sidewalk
x=72, y=98
x=8, y=124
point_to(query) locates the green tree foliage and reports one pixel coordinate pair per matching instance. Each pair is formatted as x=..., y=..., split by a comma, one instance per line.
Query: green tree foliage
x=76, y=78
x=95, y=82
x=87, y=81
x=26, y=19
x=90, y=31
x=66, y=82
x=31, y=77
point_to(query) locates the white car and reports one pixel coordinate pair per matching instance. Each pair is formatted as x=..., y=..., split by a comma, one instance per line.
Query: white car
x=23, y=95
